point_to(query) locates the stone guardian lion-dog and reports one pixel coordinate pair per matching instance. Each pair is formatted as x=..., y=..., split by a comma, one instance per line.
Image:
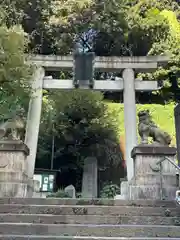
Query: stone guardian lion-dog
x=147, y=128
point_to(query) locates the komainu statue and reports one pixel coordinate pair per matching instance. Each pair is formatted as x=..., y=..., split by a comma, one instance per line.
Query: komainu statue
x=147, y=128
x=13, y=128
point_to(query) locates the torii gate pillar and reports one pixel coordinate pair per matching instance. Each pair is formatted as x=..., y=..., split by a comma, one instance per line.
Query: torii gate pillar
x=129, y=118
x=33, y=119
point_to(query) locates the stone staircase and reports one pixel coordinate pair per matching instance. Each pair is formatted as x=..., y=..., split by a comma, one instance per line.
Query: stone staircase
x=78, y=219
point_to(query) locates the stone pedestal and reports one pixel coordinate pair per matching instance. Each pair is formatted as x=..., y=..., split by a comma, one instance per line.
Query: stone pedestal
x=152, y=181
x=89, y=183
x=13, y=177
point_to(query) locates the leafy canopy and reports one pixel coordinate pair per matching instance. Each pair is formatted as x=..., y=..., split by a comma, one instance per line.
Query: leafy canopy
x=14, y=73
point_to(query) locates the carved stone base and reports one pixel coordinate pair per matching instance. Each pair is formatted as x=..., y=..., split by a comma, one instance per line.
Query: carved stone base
x=150, y=180
x=151, y=192
x=10, y=189
x=13, y=178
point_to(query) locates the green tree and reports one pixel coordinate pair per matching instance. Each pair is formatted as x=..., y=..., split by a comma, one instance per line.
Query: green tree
x=12, y=11
x=14, y=72
x=82, y=127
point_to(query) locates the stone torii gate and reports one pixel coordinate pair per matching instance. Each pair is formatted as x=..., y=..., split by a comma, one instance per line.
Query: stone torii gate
x=128, y=84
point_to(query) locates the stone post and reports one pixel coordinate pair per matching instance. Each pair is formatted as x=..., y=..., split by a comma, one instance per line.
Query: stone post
x=13, y=177
x=33, y=119
x=129, y=118
x=150, y=180
x=89, y=183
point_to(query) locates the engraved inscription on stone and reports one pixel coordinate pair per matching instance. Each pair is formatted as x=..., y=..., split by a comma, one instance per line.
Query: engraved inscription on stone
x=89, y=185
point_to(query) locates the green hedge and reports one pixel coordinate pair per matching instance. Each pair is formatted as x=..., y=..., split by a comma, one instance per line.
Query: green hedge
x=163, y=116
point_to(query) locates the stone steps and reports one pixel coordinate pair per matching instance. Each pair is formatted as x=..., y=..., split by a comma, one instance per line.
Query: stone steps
x=86, y=219
x=88, y=210
x=35, y=237
x=83, y=219
x=97, y=202
x=90, y=230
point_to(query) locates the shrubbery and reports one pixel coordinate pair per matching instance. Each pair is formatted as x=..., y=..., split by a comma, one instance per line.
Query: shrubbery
x=59, y=194
x=110, y=191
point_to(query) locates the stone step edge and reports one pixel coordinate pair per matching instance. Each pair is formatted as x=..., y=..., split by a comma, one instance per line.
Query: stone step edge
x=82, y=206
x=90, y=225
x=88, y=219
x=49, y=216
x=82, y=201
x=36, y=237
x=85, y=215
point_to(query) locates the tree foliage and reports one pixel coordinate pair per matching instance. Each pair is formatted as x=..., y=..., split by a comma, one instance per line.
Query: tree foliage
x=79, y=121
x=82, y=127
x=14, y=73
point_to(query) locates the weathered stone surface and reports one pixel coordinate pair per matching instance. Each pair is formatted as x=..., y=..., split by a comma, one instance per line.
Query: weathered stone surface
x=89, y=182
x=149, y=181
x=87, y=210
x=35, y=237
x=33, y=118
x=87, y=202
x=144, y=160
x=60, y=219
x=36, y=185
x=129, y=118
x=13, y=156
x=86, y=219
x=124, y=186
x=71, y=191
x=10, y=189
x=13, y=178
x=33, y=188
x=116, y=63
x=153, y=150
x=12, y=161
x=91, y=230
x=147, y=128
x=14, y=146
x=150, y=191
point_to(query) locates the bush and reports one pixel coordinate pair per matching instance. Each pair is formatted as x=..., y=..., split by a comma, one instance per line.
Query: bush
x=59, y=194
x=110, y=191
